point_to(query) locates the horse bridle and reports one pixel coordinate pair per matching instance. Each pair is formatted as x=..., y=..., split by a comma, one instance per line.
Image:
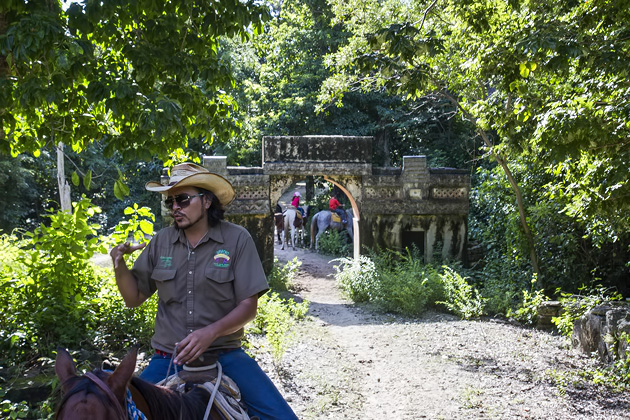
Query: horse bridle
x=110, y=395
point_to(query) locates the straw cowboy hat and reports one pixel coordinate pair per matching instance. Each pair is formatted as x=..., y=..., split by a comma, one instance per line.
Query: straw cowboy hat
x=192, y=175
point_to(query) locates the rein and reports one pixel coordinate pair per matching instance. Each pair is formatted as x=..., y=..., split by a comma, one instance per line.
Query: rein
x=213, y=393
x=215, y=397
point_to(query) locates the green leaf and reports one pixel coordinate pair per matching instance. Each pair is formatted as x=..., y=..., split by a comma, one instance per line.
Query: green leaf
x=75, y=179
x=118, y=190
x=87, y=180
x=146, y=227
x=125, y=188
x=523, y=70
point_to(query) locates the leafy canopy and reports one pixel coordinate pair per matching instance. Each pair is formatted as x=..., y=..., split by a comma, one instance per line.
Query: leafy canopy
x=549, y=79
x=141, y=76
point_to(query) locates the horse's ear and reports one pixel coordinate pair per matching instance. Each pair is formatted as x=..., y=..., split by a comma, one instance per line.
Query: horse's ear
x=64, y=366
x=119, y=380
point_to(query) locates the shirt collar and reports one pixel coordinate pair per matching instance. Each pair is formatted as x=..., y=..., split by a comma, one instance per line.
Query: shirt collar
x=215, y=233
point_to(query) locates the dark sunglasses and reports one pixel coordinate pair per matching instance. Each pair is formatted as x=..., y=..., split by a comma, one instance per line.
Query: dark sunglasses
x=182, y=200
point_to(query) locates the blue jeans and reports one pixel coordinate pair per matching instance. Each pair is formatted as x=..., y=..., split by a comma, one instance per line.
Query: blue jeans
x=342, y=214
x=257, y=391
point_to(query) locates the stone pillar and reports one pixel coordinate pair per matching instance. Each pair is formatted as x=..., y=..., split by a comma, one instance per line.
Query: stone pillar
x=415, y=176
x=216, y=164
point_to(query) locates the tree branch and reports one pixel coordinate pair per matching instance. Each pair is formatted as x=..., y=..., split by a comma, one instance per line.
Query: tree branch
x=424, y=16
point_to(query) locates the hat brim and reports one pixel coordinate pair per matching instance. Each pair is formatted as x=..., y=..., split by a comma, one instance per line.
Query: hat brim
x=214, y=183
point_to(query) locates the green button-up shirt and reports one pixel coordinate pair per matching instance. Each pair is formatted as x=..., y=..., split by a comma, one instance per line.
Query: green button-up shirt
x=199, y=286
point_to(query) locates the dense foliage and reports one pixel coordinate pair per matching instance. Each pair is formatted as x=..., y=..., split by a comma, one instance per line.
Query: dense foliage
x=55, y=296
x=279, y=76
x=541, y=82
x=143, y=76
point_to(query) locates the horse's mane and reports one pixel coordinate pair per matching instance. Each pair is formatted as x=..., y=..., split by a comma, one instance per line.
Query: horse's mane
x=167, y=404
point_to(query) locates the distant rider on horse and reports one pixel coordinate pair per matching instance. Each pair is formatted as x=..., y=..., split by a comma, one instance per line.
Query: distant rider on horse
x=334, y=206
x=295, y=202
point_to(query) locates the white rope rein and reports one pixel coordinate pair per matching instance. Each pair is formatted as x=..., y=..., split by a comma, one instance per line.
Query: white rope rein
x=170, y=363
x=213, y=388
x=213, y=392
x=222, y=403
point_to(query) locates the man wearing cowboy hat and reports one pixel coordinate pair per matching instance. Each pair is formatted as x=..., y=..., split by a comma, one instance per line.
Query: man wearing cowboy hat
x=208, y=277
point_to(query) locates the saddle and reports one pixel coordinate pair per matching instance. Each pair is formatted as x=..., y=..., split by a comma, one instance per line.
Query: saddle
x=207, y=372
x=336, y=218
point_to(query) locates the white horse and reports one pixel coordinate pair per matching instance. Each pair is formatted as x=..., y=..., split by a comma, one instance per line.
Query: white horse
x=289, y=223
x=323, y=220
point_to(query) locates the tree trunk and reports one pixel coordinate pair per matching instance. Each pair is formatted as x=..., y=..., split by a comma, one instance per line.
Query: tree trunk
x=533, y=256
x=310, y=188
x=521, y=207
x=64, y=188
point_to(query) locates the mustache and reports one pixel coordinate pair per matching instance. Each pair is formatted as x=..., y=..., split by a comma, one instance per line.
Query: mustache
x=177, y=213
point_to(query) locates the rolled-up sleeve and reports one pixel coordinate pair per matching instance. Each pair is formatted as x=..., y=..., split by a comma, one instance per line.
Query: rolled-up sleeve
x=142, y=269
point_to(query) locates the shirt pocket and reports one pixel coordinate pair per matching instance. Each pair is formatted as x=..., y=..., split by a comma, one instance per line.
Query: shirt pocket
x=166, y=285
x=219, y=284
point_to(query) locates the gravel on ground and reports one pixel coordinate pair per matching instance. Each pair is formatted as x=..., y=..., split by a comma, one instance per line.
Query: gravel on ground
x=348, y=361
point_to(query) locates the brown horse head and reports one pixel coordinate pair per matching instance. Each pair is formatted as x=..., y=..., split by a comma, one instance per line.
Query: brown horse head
x=100, y=395
x=96, y=395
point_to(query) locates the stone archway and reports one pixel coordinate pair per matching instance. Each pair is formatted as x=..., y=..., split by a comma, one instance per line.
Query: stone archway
x=394, y=207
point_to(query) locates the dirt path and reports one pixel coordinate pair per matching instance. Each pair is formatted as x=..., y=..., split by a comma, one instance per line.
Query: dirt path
x=348, y=362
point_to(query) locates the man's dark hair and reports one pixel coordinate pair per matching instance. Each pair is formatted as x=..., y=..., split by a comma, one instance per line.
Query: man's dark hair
x=216, y=211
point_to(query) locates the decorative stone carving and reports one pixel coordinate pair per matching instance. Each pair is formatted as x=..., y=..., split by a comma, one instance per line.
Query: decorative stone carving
x=449, y=193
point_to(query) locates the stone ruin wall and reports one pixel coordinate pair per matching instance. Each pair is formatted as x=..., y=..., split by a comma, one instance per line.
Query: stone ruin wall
x=605, y=331
x=395, y=206
x=429, y=206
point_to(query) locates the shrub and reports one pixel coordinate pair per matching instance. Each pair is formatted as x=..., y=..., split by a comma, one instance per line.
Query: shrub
x=46, y=288
x=138, y=226
x=460, y=297
x=335, y=243
x=281, y=278
x=357, y=278
x=527, y=311
x=408, y=286
x=276, y=316
x=118, y=326
x=55, y=296
x=393, y=281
